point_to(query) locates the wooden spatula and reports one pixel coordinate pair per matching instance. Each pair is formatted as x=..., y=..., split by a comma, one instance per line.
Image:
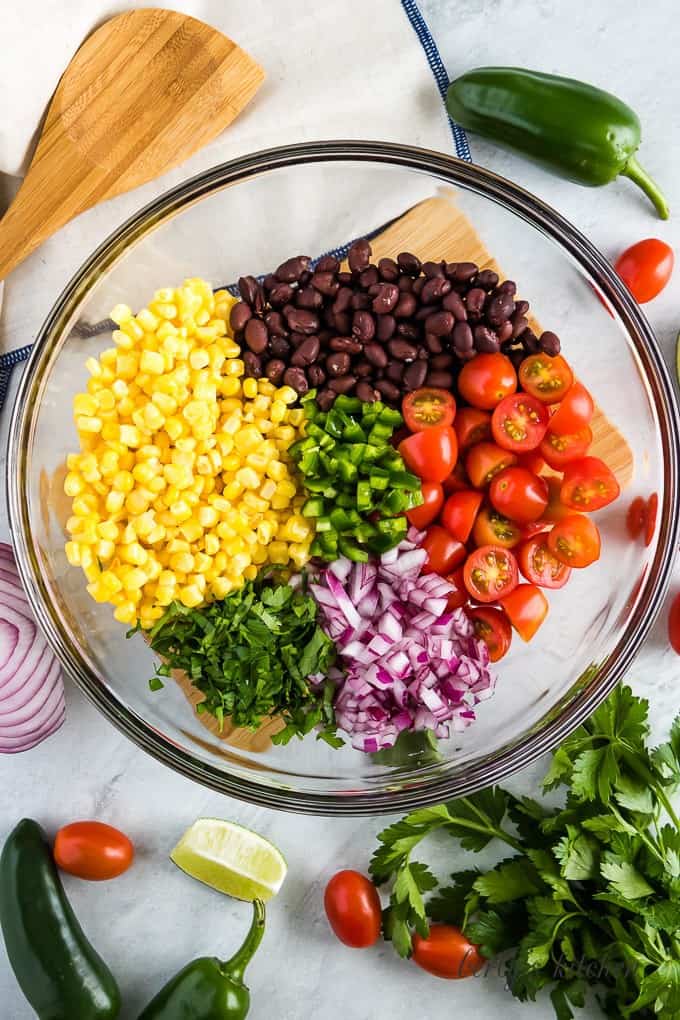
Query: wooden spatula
x=144, y=92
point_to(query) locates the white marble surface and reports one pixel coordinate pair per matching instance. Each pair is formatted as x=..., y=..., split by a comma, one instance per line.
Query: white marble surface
x=152, y=920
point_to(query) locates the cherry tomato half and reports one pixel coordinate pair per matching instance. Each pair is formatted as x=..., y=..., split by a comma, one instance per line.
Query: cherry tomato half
x=472, y=426
x=93, y=850
x=444, y=553
x=484, y=461
x=491, y=528
x=555, y=510
x=519, y=422
x=353, y=909
x=575, y=541
x=674, y=624
x=533, y=528
x=490, y=573
x=457, y=480
x=641, y=517
x=545, y=378
x=428, y=511
x=459, y=513
x=540, y=566
x=650, y=517
x=486, y=379
x=532, y=461
x=492, y=627
x=518, y=494
x=431, y=454
x=457, y=598
x=558, y=451
x=646, y=268
x=575, y=411
x=427, y=408
x=526, y=608
x=447, y=953
x=588, y=485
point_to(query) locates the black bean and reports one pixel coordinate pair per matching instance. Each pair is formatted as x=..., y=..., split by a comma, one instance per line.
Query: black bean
x=360, y=302
x=343, y=384
x=454, y=303
x=395, y=371
x=466, y=355
x=464, y=271
x=521, y=307
x=432, y=269
x=508, y=287
x=550, y=343
x=345, y=343
x=376, y=355
x=408, y=330
x=462, y=337
x=519, y=324
x=301, y=320
x=408, y=263
x=368, y=277
x=440, y=380
x=364, y=369
x=402, y=350
x=252, y=364
x=275, y=324
x=305, y=277
x=247, y=286
x=405, y=284
x=279, y=347
x=307, y=297
x=256, y=335
x=280, y=295
x=405, y=306
x=327, y=264
x=307, y=352
x=435, y=289
x=365, y=392
x=414, y=375
x=269, y=282
x=274, y=370
x=505, y=331
x=386, y=298
x=442, y=361
x=359, y=256
x=486, y=341
x=487, y=279
x=239, y=315
x=450, y=269
x=363, y=326
x=530, y=341
x=343, y=323
x=338, y=363
x=316, y=375
x=439, y=323
x=325, y=399
x=385, y=327
x=474, y=301
x=433, y=343
x=297, y=338
x=325, y=283
x=374, y=290
x=296, y=379
x=389, y=270
x=388, y=390
x=291, y=270
x=499, y=309
x=517, y=357
x=344, y=278
x=343, y=300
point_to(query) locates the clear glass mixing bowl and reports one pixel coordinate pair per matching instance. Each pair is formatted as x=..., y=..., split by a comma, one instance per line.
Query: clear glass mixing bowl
x=245, y=217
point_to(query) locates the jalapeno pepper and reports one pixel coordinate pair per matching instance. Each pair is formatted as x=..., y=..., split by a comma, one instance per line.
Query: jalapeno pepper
x=576, y=130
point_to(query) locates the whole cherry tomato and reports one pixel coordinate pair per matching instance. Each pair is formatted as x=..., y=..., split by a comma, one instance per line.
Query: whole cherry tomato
x=490, y=573
x=428, y=511
x=93, y=850
x=588, y=485
x=518, y=494
x=428, y=407
x=472, y=426
x=519, y=422
x=457, y=598
x=545, y=378
x=533, y=528
x=431, y=454
x=558, y=451
x=526, y=608
x=444, y=553
x=540, y=566
x=353, y=909
x=574, y=412
x=459, y=513
x=674, y=624
x=646, y=268
x=575, y=541
x=492, y=528
x=555, y=510
x=446, y=952
x=486, y=379
x=492, y=627
x=484, y=461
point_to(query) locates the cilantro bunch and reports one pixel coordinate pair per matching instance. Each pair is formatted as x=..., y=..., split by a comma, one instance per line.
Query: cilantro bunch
x=589, y=896
x=252, y=655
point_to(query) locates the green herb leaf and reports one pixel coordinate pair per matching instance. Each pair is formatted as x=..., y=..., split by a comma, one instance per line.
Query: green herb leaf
x=578, y=854
x=624, y=878
x=513, y=879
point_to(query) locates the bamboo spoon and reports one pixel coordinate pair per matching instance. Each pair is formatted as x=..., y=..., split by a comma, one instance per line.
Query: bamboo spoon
x=144, y=92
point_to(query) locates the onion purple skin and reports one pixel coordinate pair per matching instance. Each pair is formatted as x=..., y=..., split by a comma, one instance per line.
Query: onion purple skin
x=32, y=703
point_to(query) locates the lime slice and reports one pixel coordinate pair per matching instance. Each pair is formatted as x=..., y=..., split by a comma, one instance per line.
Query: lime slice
x=230, y=858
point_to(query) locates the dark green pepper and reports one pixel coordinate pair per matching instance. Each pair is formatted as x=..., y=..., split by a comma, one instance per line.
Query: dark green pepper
x=59, y=972
x=207, y=988
x=576, y=130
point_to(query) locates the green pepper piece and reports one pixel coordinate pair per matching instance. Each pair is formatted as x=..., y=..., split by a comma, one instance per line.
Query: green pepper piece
x=346, y=500
x=365, y=532
x=314, y=507
x=395, y=527
x=341, y=520
x=334, y=425
x=309, y=462
x=351, y=405
x=379, y=478
x=323, y=524
x=329, y=545
x=352, y=551
x=405, y=480
x=364, y=496
x=356, y=452
x=380, y=544
x=388, y=416
x=353, y=433
x=569, y=127
x=380, y=435
x=346, y=469
x=207, y=988
x=394, y=502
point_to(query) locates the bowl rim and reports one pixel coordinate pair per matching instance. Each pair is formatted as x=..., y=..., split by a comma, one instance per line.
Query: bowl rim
x=502, y=763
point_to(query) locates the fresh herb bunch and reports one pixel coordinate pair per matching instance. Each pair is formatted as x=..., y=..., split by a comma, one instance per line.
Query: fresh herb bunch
x=252, y=654
x=591, y=893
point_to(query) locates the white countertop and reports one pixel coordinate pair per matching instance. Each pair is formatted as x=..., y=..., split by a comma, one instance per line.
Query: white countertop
x=153, y=920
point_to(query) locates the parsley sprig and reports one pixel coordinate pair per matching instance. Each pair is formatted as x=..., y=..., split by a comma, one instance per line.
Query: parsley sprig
x=591, y=892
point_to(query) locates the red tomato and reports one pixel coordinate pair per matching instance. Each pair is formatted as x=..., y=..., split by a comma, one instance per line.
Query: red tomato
x=427, y=408
x=490, y=573
x=533, y=528
x=431, y=454
x=540, y=566
x=444, y=553
x=486, y=379
x=674, y=624
x=460, y=510
x=459, y=596
x=457, y=480
x=353, y=909
x=428, y=511
x=520, y=422
x=646, y=268
x=532, y=461
x=651, y=511
x=93, y=850
x=636, y=517
x=588, y=485
x=519, y=495
x=491, y=528
x=574, y=413
x=446, y=953
x=545, y=378
x=555, y=510
x=492, y=627
x=472, y=426
x=558, y=451
x=484, y=461
x=575, y=541
x=526, y=608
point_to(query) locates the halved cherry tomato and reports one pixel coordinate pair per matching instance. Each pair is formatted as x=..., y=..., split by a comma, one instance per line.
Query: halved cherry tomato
x=491, y=528
x=486, y=379
x=444, y=553
x=674, y=624
x=472, y=426
x=540, y=566
x=558, y=451
x=518, y=494
x=490, y=573
x=545, y=378
x=428, y=511
x=460, y=510
x=519, y=422
x=484, y=461
x=427, y=408
x=575, y=411
x=636, y=517
x=555, y=510
x=527, y=608
x=575, y=541
x=646, y=268
x=492, y=627
x=532, y=461
x=457, y=480
x=447, y=953
x=457, y=598
x=650, y=517
x=533, y=528
x=588, y=485
x=431, y=454
x=353, y=909
x=93, y=850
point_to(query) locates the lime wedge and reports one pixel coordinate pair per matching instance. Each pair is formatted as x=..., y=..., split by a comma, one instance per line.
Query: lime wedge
x=230, y=858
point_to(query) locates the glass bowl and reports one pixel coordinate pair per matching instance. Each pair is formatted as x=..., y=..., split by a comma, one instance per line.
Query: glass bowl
x=246, y=216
